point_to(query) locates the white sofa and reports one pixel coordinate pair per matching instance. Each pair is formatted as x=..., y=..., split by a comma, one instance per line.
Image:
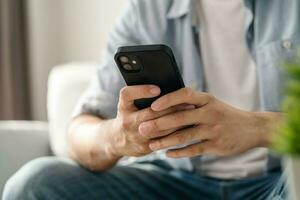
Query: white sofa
x=22, y=141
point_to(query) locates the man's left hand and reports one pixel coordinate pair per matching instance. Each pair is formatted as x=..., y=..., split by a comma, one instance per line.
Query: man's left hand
x=214, y=127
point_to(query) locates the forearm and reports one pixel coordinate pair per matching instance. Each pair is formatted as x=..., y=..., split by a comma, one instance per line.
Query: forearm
x=266, y=124
x=91, y=142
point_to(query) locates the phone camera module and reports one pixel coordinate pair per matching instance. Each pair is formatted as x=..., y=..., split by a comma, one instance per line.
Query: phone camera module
x=124, y=59
x=128, y=67
x=130, y=63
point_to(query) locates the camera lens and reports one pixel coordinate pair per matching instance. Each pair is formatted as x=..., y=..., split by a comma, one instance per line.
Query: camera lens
x=128, y=67
x=124, y=59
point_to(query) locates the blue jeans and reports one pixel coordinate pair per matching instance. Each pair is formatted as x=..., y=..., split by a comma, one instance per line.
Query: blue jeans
x=56, y=179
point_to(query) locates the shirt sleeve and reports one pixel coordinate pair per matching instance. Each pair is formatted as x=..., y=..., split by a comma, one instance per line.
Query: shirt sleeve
x=101, y=97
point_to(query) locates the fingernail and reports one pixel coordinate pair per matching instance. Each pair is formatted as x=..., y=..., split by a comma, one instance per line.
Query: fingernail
x=155, y=90
x=189, y=107
x=156, y=105
x=144, y=128
x=154, y=146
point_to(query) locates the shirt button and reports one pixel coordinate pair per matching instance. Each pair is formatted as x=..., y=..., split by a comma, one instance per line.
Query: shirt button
x=287, y=44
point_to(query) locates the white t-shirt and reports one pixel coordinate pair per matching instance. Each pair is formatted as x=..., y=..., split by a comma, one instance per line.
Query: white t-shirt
x=231, y=76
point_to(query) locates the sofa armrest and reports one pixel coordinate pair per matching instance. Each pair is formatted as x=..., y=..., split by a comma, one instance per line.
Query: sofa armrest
x=20, y=142
x=65, y=86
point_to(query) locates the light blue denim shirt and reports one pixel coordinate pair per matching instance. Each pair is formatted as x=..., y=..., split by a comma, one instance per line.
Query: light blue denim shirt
x=273, y=33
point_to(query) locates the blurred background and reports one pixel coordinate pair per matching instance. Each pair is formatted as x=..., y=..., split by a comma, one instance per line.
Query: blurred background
x=37, y=35
x=49, y=50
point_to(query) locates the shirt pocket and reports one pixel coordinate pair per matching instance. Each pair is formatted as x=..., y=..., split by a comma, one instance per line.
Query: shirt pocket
x=270, y=59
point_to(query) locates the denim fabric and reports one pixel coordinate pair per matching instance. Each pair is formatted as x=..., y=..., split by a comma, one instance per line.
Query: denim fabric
x=62, y=179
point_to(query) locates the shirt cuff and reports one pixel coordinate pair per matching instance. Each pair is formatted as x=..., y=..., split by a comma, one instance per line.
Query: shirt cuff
x=101, y=104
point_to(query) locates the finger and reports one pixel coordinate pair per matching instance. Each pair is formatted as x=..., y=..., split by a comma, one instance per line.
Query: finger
x=162, y=133
x=197, y=149
x=175, y=120
x=185, y=95
x=181, y=137
x=148, y=114
x=130, y=93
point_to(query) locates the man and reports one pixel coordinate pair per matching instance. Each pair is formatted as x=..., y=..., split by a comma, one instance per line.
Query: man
x=230, y=54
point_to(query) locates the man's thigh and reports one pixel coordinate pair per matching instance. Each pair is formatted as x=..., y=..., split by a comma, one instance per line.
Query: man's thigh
x=53, y=178
x=270, y=186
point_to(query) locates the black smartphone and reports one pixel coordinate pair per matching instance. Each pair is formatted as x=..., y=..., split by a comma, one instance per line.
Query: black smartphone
x=149, y=64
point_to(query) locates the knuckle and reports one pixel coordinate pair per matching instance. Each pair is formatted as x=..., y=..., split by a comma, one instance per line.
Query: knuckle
x=179, y=117
x=124, y=93
x=217, y=128
x=160, y=144
x=135, y=119
x=191, y=135
x=211, y=97
x=180, y=138
x=208, y=97
x=217, y=111
x=147, y=114
x=125, y=123
x=141, y=117
x=155, y=124
x=188, y=92
x=144, y=148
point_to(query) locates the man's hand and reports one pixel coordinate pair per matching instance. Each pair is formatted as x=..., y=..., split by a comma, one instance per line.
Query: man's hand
x=219, y=128
x=98, y=143
x=125, y=127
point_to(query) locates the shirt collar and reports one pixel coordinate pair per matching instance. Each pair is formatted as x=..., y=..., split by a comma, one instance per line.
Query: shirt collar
x=180, y=8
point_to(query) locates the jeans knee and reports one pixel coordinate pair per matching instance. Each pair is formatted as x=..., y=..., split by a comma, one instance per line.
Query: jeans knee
x=34, y=179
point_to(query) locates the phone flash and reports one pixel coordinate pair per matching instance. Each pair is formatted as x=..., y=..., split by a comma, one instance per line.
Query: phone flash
x=134, y=62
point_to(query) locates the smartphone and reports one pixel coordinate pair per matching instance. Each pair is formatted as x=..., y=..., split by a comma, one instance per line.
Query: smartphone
x=149, y=64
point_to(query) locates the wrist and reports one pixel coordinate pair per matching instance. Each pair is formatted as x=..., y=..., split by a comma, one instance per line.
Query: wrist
x=112, y=147
x=265, y=125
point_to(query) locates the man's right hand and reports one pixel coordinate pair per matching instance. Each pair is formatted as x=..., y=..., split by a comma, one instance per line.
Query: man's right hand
x=127, y=140
x=98, y=144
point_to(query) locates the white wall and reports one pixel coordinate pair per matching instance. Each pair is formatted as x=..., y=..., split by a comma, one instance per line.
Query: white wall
x=64, y=31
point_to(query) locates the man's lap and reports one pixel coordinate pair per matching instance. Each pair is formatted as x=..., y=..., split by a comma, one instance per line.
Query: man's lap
x=53, y=178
